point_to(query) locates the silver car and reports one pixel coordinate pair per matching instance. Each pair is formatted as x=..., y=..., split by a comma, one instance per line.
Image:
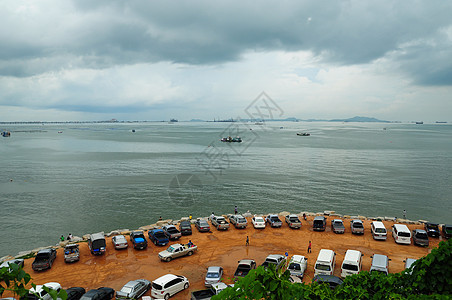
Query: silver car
x=119, y=241
x=213, y=275
x=134, y=289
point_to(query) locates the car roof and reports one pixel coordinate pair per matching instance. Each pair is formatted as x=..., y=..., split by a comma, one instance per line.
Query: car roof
x=420, y=231
x=246, y=261
x=132, y=283
x=293, y=215
x=165, y=278
x=297, y=258
x=319, y=218
x=379, y=260
x=214, y=269
x=356, y=220
x=338, y=221
x=45, y=250
x=431, y=223
x=275, y=256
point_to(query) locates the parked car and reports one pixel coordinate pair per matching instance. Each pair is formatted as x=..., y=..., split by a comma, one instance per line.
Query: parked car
x=158, y=237
x=337, y=225
x=331, y=280
x=119, y=242
x=177, y=250
x=380, y=263
x=168, y=285
x=258, y=222
x=408, y=262
x=357, y=226
x=432, y=229
x=202, y=225
x=238, y=221
x=293, y=221
x=71, y=253
x=185, y=228
x=213, y=275
x=206, y=294
x=274, y=221
x=44, y=259
x=138, y=240
x=297, y=266
x=319, y=223
x=17, y=261
x=97, y=244
x=134, y=289
x=220, y=223
x=244, y=267
x=171, y=232
x=38, y=292
x=75, y=293
x=447, y=231
x=277, y=260
x=420, y=237
x=103, y=293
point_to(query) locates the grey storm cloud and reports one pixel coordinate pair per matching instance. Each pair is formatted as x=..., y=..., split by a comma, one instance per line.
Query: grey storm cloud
x=101, y=34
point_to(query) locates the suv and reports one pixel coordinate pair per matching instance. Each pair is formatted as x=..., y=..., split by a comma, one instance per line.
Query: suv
x=238, y=221
x=319, y=223
x=432, y=229
x=138, y=240
x=275, y=259
x=447, y=231
x=168, y=285
x=420, y=237
x=185, y=228
x=357, y=226
x=158, y=237
x=96, y=243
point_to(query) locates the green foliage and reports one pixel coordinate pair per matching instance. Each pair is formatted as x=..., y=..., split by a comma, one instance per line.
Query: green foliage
x=428, y=278
x=29, y=255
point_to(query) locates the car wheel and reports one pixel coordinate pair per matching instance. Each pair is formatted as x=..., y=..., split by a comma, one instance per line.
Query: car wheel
x=166, y=296
x=168, y=259
x=190, y=253
x=186, y=286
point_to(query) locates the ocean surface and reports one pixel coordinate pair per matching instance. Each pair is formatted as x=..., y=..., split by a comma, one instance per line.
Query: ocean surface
x=101, y=177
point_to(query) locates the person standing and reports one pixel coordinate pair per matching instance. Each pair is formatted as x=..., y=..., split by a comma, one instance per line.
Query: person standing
x=247, y=241
x=404, y=213
x=236, y=210
x=309, y=247
x=190, y=217
x=62, y=238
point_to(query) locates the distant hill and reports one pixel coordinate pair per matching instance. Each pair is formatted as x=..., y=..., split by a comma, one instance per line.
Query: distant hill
x=359, y=119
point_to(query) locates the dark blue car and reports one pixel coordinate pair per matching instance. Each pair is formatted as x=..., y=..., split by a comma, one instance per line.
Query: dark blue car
x=158, y=237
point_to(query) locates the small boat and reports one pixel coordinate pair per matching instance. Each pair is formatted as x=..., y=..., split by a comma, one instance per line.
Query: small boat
x=6, y=134
x=133, y=130
x=303, y=134
x=231, y=140
x=420, y=122
x=259, y=123
x=60, y=131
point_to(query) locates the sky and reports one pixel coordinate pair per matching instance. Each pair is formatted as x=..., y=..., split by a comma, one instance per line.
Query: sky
x=64, y=60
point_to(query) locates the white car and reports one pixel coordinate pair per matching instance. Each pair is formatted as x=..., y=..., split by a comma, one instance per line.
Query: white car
x=168, y=285
x=258, y=222
x=119, y=241
x=43, y=294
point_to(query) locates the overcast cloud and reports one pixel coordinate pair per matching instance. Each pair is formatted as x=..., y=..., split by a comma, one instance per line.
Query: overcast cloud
x=149, y=60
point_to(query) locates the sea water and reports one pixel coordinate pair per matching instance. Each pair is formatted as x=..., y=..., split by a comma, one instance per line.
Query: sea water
x=99, y=177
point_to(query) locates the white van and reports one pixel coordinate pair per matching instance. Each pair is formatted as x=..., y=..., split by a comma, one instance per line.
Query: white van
x=352, y=263
x=325, y=262
x=401, y=234
x=168, y=285
x=378, y=230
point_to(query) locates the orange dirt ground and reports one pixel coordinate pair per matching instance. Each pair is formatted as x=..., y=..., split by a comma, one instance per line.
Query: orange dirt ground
x=224, y=249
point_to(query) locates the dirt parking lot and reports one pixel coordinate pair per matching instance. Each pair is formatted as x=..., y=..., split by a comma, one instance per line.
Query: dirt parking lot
x=222, y=248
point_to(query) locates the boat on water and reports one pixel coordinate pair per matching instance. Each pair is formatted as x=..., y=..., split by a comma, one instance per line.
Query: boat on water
x=6, y=134
x=303, y=134
x=259, y=123
x=171, y=121
x=420, y=122
x=231, y=140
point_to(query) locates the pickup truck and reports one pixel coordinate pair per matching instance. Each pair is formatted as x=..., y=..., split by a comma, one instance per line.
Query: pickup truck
x=44, y=259
x=238, y=221
x=357, y=226
x=337, y=225
x=275, y=259
x=293, y=221
x=158, y=237
x=71, y=253
x=177, y=250
x=138, y=240
x=215, y=289
x=244, y=267
x=171, y=232
x=220, y=223
x=274, y=221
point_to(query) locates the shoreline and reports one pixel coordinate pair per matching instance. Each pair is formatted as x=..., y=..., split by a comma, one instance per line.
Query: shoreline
x=160, y=223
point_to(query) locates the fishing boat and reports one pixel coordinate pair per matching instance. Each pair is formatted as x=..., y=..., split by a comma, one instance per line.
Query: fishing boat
x=231, y=140
x=303, y=134
x=420, y=122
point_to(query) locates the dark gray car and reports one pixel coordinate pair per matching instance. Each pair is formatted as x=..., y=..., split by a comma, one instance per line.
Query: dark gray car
x=134, y=289
x=420, y=237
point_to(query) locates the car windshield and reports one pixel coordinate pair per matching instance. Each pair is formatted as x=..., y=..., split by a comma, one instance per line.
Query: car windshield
x=171, y=230
x=241, y=220
x=318, y=222
x=126, y=289
x=357, y=224
x=171, y=249
x=421, y=235
x=322, y=267
x=294, y=266
x=156, y=286
x=294, y=219
x=350, y=267
x=258, y=220
x=212, y=275
x=380, y=230
x=203, y=223
x=404, y=234
x=432, y=226
x=159, y=235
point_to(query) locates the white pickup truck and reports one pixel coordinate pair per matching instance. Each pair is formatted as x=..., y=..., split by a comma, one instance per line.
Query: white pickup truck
x=177, y=250
x=219, y=222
